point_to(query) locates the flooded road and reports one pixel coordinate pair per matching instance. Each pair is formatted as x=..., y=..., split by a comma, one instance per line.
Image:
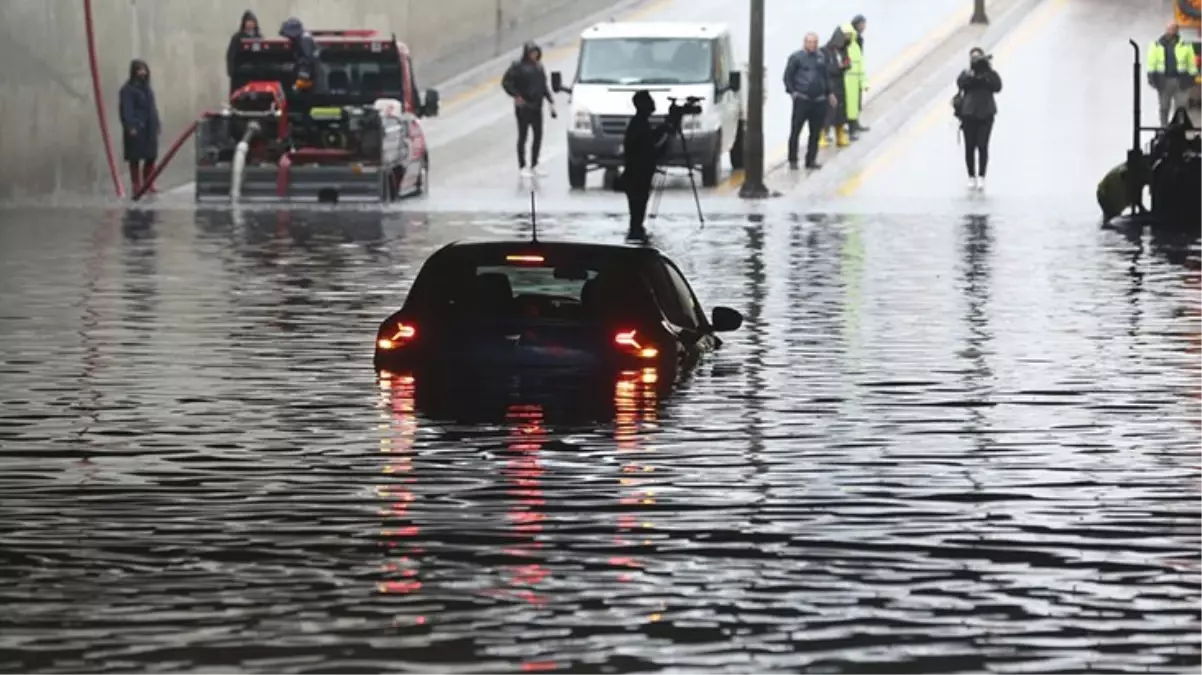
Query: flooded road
x=937, y=444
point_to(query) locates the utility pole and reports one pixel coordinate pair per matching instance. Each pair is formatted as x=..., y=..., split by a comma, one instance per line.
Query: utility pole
x=978, y=12
x=753, y=149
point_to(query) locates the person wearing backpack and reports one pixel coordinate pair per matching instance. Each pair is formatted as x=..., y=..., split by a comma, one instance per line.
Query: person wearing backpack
x=976, y=108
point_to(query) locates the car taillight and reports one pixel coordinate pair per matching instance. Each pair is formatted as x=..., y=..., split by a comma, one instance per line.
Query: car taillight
x=628, y=341
x=400, y=335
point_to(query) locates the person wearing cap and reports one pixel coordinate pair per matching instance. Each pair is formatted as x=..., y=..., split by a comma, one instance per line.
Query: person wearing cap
x=854, y=79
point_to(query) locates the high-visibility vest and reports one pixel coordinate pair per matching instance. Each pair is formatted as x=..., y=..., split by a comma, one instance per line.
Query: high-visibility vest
x=1182, y=50
x=854, y=53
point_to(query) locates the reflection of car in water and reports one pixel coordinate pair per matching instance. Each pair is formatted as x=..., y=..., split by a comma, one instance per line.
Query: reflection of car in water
x=1188, y=15
x=542, y=315
x=668, y=60
x=355, y=136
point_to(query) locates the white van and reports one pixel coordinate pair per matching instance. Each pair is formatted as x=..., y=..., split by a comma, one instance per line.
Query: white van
x=668, y=60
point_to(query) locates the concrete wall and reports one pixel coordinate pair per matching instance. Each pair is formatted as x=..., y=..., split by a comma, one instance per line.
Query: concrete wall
x=50, y=140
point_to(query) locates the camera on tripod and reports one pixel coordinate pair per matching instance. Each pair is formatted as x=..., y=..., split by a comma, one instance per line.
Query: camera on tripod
x=692, y=106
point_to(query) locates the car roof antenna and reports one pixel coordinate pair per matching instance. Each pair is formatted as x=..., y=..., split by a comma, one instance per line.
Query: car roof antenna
x=533, y=220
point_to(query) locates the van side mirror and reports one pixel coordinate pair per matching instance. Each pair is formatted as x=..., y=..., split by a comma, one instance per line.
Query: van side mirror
x=725, y=319
x=430, y=107
x=736, y=81
x=557, y=83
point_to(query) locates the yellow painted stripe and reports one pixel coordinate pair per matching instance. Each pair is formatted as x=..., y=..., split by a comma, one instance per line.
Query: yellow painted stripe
x=555, y=53
x=937, y=110
x=903, y=60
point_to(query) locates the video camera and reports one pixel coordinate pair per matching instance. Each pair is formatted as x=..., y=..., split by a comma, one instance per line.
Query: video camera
x=982, y=63
x=691, y=107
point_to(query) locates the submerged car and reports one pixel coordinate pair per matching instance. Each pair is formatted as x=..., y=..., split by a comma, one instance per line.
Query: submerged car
x=539, y=308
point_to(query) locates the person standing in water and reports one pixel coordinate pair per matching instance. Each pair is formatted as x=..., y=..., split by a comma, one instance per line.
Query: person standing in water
x=978, y=84
x=140, y=125
x=526, y=83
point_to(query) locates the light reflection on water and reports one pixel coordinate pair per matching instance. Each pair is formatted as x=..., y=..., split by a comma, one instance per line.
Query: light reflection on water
x=936, y=444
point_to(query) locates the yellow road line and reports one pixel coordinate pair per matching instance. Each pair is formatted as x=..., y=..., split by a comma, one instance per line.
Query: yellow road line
x=938, y=108
x=553, y=54
x=908, y=56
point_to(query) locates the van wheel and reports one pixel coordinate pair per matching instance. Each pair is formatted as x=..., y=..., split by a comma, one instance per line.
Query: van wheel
x=736, y=150
x=709, y=171
x=577, y=173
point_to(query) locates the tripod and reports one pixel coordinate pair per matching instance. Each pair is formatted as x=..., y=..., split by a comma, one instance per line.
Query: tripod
x=659, y=192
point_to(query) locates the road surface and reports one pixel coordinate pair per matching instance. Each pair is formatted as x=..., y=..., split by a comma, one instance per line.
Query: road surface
x=473, y=141
x=1064, y=120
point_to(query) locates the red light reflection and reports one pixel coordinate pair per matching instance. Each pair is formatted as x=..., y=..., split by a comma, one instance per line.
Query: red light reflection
x=635, y=401
x=524, y=470
x=398, y=430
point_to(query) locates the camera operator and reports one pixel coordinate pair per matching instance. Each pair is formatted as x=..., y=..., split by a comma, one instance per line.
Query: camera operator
x=642, y=148
x=808, y=82
x=976, y=111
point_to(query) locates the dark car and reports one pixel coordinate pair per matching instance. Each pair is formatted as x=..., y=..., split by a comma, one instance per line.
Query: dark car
x=542, y=309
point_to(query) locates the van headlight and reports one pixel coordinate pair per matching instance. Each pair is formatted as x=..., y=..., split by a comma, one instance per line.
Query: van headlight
x=582, y=121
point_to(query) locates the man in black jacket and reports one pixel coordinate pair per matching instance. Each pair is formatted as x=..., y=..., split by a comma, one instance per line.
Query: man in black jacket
x=526, y=83
x=808, y=83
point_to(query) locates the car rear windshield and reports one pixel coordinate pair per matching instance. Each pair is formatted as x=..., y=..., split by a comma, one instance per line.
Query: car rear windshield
x=567, y=292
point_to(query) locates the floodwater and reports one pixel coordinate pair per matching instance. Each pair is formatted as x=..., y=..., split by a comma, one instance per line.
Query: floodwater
x=938, y=444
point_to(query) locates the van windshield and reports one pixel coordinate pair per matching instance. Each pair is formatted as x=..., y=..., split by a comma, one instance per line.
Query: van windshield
x=646, y=61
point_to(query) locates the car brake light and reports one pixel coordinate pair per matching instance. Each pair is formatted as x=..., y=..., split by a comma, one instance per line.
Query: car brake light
x=531, y=259
x=628, y=340
x=402, y=335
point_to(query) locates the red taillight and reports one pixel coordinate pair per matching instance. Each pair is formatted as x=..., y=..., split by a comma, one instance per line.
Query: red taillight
x=628, y=341
x=402, y=334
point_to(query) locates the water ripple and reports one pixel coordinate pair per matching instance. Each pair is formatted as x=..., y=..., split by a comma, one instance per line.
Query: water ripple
x=971, y=449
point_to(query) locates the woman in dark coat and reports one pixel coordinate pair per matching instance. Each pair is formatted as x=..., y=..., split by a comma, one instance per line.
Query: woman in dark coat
x=977, y=84
x=838, y=63
x=139, y=124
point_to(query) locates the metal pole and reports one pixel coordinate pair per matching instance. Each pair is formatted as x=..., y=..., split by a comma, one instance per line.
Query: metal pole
x=978, y=12
x=753, y=151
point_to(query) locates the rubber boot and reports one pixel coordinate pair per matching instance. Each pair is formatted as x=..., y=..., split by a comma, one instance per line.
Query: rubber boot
x=147, y=172
x=843, y=139
x=824, y=139
x=135, y=179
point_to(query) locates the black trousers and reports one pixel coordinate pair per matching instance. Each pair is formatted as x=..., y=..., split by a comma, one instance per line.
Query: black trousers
x=812, y=112
x=637, y=187
x=529, y=119
x=976, y=145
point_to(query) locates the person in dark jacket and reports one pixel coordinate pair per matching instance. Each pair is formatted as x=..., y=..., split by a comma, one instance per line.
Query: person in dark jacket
x=305, y=54
x=139, y=124
x=978, y=84
x=838, y=63
x=526, y=83
x=642, y=148
x=249, y=29
x=807, y=82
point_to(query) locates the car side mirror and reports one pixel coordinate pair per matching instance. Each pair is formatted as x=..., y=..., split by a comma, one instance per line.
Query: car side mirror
x=557, y=83
x=430, y=109
x=725, y=319
x=736, y=81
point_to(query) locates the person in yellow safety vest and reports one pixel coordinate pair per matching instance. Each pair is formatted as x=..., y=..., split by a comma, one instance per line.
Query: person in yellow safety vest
x=1171, y=71
x=854, y=81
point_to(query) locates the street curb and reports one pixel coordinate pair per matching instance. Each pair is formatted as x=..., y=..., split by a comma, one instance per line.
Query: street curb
x=929, y=75
x=562, y=36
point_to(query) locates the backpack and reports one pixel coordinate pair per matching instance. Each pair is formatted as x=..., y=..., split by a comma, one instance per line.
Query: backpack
x=958, y=104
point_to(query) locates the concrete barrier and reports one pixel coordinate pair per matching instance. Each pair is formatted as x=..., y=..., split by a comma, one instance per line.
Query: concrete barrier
x=50, y=140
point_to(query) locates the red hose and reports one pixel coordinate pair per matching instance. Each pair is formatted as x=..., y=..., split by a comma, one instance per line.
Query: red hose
x=179, y=142
x=284, y=175
x=104, y=126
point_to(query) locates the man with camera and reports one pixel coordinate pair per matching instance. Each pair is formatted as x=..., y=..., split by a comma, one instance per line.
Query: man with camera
x=642, y=148
x=808, y=83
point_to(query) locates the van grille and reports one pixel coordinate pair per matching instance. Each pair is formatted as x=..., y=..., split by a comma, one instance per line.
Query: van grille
x=615, y=125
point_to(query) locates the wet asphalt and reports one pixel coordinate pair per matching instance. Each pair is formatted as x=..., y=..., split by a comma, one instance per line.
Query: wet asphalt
x=957, y=432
